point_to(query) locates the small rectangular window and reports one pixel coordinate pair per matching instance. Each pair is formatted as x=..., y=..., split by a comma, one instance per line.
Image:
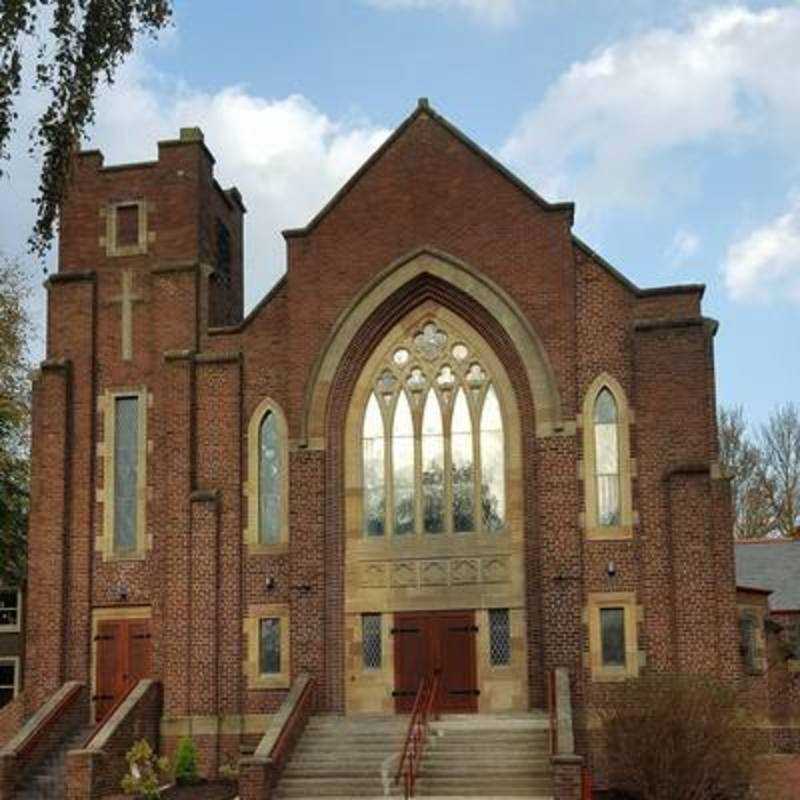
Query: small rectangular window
x=8, y=681
x=612, y=636
x=748, y=627
x=794, y=639
x=499, y=637
x=9, y=610
x=126, y=473
x=371, y=641
x=270, y=646
x=127, y=225
x=223, y=250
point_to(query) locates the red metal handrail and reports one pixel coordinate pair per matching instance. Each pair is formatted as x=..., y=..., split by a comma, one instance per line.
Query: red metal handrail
x=424, y=708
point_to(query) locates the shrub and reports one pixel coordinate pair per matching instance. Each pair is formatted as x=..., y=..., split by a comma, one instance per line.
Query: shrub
x=142, y=779
x=671, y=737
x=185, y=769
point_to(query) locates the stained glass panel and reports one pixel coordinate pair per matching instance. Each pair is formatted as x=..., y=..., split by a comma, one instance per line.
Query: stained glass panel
x=432, y=465
x=403, y=466
x=374, y=466
x=126, y=473
x=462, y=469
x=270, y=646
x=270, y=507
x=606, y=441
x=612, y=636
x=493, y=478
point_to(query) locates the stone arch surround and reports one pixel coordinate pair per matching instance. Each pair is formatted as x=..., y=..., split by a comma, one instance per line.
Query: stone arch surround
x=423, y=287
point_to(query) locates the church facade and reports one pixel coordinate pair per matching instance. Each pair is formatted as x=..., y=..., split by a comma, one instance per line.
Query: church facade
x=451, y=437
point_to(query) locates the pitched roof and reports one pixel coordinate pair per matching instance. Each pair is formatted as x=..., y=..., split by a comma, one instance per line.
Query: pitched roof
x=424, y=107
x=772, y=564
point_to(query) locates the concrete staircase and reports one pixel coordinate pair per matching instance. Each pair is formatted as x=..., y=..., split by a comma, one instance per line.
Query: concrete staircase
x=47, y=781
x=497, y=756
x=488, y=755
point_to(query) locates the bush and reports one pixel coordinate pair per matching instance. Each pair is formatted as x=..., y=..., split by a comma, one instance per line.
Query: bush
x=670, y=737
x=142, y=779
x=186, y=762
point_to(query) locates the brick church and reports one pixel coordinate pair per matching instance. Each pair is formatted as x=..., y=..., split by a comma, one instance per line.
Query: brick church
x=451, y=438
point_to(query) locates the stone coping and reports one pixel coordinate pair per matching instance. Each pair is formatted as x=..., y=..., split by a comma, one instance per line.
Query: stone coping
x=566, y=740
x=278, y=721
x=101, y=737
x=30, y=728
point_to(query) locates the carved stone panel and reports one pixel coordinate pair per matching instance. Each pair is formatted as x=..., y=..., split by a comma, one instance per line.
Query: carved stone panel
x=373, y=575
x=495, y=569
x=433, y=573
x=464, y=570
x=404, y=574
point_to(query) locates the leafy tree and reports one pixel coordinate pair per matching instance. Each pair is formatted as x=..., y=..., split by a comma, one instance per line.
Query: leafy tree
x=86, y=41
x=742, y=459
x=15, y=332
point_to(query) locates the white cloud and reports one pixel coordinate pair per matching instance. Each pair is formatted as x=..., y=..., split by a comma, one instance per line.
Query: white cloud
x=285, y=155
x=684, y=245
x=499, y=13
x=611, y=129
x=765, y=264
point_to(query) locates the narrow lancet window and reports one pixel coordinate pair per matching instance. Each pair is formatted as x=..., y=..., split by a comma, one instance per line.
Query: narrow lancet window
x=493, y=479
x=374, y=466
x=126, y=474
x=270, y=511
x=432, y=466
x=403, y=467
x=463, y=462
x=606, y=440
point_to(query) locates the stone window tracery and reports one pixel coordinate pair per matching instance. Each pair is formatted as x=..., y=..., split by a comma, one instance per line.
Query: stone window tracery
x=433, y=447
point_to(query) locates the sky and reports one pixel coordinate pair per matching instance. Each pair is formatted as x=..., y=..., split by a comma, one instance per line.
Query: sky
x=674, y=127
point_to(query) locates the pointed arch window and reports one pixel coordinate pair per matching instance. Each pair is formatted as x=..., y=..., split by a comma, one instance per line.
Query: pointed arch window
x=268, y=479
x=606, y=443
x=607, y=463
x=270, y=470
x=433, y=447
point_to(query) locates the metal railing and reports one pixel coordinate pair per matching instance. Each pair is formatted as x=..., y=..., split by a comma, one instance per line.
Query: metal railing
x=424, y=707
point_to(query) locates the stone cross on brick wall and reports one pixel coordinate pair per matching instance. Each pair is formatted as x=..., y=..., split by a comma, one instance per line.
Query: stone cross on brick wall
x=126, y=300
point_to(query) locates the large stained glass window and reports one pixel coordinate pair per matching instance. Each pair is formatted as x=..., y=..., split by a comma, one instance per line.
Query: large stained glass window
x=270, y=487
x=126, y=474
x=433, y=446
x=606, y=440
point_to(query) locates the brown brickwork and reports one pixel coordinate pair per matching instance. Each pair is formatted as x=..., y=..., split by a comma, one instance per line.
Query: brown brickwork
x=428, y=196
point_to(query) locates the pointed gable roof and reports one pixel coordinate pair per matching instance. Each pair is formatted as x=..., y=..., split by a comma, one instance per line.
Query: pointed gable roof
x=423, y=107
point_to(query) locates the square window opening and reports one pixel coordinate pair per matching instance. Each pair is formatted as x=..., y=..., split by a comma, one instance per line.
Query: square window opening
x=9, y=610
x=127, y=225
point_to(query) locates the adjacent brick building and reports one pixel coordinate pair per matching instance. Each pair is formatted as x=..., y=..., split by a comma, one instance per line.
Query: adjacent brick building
x=451, y=437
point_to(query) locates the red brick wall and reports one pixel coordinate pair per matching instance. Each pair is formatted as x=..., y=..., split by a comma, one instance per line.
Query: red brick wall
x=427, y=190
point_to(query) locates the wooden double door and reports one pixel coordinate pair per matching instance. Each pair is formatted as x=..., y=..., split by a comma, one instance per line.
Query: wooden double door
x=443, y=642
x=123, y=656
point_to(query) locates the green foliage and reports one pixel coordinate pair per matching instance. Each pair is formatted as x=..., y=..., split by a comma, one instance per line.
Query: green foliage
x=185, y=769
x=677, y=737
x=74, y=44
x=15, y=334
x=145, y=772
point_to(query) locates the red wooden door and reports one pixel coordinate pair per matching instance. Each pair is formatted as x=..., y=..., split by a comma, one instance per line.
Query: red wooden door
x=458, y=685
x=411, y=658
x=123, y=656
x=425, y=642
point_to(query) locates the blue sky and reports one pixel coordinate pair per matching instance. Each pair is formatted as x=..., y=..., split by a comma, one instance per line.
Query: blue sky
x=675, y=127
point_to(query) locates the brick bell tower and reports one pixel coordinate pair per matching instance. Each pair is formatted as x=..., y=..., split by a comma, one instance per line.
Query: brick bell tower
x=150, y=258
